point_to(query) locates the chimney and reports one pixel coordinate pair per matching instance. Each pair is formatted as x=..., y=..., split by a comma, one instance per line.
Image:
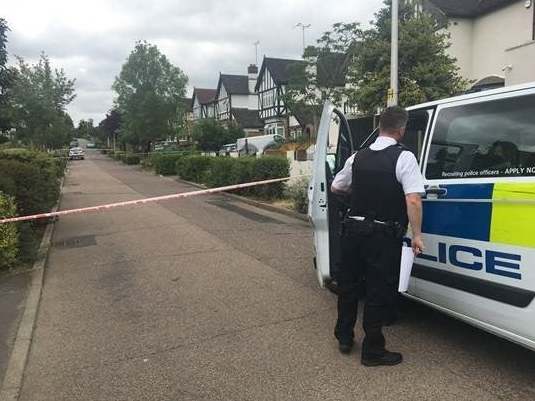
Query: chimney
x=252, y=72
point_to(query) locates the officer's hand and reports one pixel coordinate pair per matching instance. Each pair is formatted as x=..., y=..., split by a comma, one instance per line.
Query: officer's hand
x=418, y=245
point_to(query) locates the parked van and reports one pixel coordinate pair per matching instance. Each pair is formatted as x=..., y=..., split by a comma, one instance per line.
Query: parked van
x=477, y=155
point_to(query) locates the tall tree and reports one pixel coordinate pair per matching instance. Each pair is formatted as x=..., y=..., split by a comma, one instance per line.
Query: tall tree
x=149, y=89
x=109, y=127
x=39, y=98
x=426, y=71
x=6, y=79
x=322, y=75
x=210, y=135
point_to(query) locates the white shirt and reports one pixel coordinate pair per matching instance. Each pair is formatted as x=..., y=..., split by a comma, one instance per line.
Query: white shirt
x=407, y=171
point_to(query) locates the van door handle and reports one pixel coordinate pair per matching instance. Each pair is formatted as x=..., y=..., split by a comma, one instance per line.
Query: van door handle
x=438, y=191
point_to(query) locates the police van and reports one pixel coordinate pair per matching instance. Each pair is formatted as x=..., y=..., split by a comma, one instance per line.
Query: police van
x=477, y=155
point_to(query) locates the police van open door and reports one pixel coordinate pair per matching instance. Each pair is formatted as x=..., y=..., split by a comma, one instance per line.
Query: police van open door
x=334, y=144
x=477, y=155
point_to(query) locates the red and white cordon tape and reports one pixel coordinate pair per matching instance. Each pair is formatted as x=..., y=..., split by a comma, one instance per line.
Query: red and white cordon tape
x=139, y=201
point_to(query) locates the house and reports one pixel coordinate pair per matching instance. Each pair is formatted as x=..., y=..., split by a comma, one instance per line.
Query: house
x=203, y=103
x=492, y=40
x=275, y=76
x=236, y=101
x=186, y=106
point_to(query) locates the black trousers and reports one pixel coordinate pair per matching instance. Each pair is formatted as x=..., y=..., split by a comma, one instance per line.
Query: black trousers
x=370, y=264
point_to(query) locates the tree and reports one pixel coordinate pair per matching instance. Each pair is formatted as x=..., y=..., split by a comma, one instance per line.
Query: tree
x=39, y=98
x=6, y=80
x=210, y=135
x=149, y=89
x=109, y=127
x=426, y=71
x=86, y=129
x=319, y=78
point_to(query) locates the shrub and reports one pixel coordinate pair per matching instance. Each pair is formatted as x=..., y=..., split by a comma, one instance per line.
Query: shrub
x=297, y=192
x=9, y=236
x=193, y=168
x=228, y=171
x=165, y=163
x=32, y=178
x=130, y=159
x=117, y=155
x=266, y=168
x=220, y=173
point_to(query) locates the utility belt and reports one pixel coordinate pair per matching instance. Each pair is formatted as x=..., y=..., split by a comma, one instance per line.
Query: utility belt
x=366, y=226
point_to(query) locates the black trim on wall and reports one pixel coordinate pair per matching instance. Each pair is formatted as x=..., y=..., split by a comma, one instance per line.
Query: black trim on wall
x=498, y=292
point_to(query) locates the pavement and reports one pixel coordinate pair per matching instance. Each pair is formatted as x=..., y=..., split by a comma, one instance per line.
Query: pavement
x=13, y=290
x=209, y=298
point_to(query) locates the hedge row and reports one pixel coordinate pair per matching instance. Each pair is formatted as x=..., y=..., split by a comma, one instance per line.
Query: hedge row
x=222, y=171
x=29, y=184
x=9, y=235
x=125, y=157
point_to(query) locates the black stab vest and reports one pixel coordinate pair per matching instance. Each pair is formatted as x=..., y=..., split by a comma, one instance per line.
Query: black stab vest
x=375, y=190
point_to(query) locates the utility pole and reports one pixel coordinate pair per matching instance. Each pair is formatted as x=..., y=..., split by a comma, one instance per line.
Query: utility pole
x=303, y=27
x=394, y=90
x=255, y=44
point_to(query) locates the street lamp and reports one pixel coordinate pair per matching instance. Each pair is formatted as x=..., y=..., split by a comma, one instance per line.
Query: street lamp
x=393, y=91
x=303, y=27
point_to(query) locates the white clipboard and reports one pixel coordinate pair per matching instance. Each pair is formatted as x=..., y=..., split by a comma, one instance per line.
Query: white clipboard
x=407, y=259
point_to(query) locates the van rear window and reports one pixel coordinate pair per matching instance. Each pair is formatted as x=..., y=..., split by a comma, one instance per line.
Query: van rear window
x=488, y=139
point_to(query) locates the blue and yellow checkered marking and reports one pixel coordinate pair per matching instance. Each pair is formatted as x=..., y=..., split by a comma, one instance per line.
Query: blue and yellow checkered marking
x=500, y=221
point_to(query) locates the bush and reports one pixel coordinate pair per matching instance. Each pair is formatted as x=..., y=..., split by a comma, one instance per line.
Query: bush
x=193, y=168
x=266, y=168
x=221, y=172
x=130, y=159
x=165, y=163
x=298, y=194
x=9, y=236
x=117, y=155
x=32, y=178
x=225, y=171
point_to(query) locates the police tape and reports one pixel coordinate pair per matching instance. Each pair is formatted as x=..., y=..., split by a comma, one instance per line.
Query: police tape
x=140, y=201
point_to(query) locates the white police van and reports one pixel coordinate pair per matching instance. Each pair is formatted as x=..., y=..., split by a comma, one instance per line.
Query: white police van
x=477, y=155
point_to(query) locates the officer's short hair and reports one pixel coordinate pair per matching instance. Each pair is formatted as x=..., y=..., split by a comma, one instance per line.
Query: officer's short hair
x=393, y=118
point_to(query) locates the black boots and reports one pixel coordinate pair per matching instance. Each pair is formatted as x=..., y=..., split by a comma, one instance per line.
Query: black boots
x=386, y=358
x=345, y=348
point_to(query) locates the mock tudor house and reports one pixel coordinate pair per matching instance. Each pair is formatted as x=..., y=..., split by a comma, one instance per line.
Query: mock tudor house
x=236, y=101
x=273, y=79
x=203, y=103
x=492, y=40
x=274, y=76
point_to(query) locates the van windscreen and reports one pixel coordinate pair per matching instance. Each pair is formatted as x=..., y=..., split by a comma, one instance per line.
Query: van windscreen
x=488, y=139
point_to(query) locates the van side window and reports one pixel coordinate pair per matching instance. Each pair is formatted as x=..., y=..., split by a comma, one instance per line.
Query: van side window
x=488, y=139
x=415, y=132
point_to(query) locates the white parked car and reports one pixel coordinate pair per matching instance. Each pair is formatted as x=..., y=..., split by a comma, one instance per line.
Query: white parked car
x=76, y=154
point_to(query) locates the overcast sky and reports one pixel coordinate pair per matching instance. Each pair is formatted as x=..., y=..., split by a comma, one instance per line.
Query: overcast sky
x=90, y=40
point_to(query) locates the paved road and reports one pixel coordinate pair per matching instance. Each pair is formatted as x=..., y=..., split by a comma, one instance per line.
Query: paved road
x=211, y=299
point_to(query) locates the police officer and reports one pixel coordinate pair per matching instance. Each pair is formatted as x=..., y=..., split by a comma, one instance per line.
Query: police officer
x=385, y=184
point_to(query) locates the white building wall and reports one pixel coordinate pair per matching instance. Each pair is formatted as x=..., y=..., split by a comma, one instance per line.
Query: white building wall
x=481, y=45
x=497, y=31
x=461, y=39
x=521, y=59
x=241, y=101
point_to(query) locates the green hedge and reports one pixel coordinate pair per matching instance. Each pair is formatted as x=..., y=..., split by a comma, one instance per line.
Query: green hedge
x=9, y=236
x=32, y=178
x=193, y=168
x=130, y=159
x=223, y=171
x=165, y=163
